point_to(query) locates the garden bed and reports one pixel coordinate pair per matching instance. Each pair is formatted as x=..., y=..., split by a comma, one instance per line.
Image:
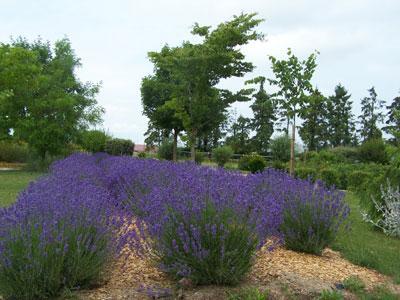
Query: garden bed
x=282, y=271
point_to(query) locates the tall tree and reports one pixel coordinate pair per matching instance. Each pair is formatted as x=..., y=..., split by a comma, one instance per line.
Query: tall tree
x=313, y=131
x=371, y=116
x=239, y=139
x=199, y=68
x=341, y=124
x=293, y=79
x=49, y=106
x=157, y=96
x=264, y=111
x=393, y=120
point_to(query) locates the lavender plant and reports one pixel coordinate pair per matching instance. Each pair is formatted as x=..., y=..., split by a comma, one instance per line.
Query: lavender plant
x=200, y=223
x=388, y=208
x=312, y=215
x=62, y=232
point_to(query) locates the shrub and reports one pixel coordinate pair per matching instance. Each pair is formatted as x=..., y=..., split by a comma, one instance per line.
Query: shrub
x=311, y=217
x=253, y=163
x=358, y=179
x=306, y=173
x=198, y=220
x=94, y=140
x=330, y=176
x=199, y=157
x=345, y=154
x=202, y=247
x=61, y=233
x=142, y=155
x=373, y=150
x=279, y=165
x=388, y=209
x=354, y=284
x=13, y=152
x=165, y=151
x=119, y=147
x=221, y=155
x=330, y=295
x=280, y=148
x=250, y=293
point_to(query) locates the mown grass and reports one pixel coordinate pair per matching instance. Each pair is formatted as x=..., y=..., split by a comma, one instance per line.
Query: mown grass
x=12, y=182
x=368, y=247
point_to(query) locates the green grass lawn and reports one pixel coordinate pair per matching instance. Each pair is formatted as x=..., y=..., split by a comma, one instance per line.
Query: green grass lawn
x=368, y=247
x=12, y=182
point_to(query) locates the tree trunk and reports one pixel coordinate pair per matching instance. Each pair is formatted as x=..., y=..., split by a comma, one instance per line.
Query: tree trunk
x=193, y=145
x=175, y=146
x=291, y=170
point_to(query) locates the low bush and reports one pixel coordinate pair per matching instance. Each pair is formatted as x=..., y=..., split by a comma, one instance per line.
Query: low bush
x=280, y=148
x=345, y=154
x=252, y=162
x=12, y=152
x=330, y=176
x=249, y=293
x=330, y=295
x=373, y=150
x=62, y=232
x=142, y=155
x=279, y=165
x=165, y=151
x=119, y=147
x=387, y=210
x=311, y=217
x=354, y=284
x=221, y=155
x=94, y=140
x=203, y=246
x=358, y=179
x=199, y=157
x=306, y=173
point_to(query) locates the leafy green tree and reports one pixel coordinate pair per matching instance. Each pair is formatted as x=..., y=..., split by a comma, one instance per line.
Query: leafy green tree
x=393, y=120
x=198, y=68
x=157, y=100
x=293, y=79
x=313, y=131
x=94, y=140
x=49, y=106
x=264, y=111
x=371, y=116
x=239, y=140
x=341, y=126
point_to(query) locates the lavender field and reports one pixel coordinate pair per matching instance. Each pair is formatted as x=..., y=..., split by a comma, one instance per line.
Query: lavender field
x=201, y=223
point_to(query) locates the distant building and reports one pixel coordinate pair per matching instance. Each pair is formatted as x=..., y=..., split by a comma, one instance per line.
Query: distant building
x=139, y=148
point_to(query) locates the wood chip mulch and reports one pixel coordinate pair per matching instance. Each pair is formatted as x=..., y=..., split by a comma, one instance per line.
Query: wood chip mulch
x=129, y=275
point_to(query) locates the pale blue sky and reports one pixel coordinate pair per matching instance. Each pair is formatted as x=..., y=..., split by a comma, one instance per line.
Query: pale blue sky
x=358, y=40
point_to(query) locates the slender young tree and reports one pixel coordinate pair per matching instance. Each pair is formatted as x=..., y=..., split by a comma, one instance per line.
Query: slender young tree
x=371, y=116
x=293, y=79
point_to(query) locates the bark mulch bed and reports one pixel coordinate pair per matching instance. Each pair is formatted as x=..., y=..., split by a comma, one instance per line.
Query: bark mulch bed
x=282, y=271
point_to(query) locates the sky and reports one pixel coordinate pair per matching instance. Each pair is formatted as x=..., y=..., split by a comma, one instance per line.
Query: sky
x=358, y=41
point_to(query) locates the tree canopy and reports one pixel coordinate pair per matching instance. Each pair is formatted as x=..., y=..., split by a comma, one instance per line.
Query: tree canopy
x=46, y=104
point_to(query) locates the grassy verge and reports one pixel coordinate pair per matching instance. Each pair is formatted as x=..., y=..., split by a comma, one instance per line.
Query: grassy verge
x=368, y=247
x=12, y=182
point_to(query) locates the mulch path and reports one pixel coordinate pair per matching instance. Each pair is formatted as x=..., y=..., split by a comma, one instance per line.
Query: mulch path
x=305, y=274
